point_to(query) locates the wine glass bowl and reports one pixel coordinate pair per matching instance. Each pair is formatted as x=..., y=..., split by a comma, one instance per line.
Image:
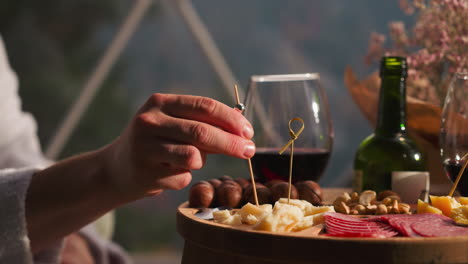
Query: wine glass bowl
x=271, y=102
x=454, y=131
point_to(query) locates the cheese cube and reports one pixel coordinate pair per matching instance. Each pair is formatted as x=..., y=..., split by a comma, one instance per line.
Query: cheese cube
x=250, y=214
x=302, y=204
x=305, y=222
x=283, y=218
x=220, y=216
x=318, y=209
x=225, y=217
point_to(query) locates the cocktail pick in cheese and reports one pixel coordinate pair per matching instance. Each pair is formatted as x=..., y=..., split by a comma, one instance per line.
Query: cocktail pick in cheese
x=294, y=136
x=241, y=108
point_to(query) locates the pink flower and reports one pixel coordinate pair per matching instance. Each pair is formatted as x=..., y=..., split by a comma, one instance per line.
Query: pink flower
x=436, y=47
x=406, y=7
x=419, y=4
x=398, y=33
x=376, y=49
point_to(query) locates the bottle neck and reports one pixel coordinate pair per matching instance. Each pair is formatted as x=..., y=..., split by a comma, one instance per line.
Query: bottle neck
x=392, y=106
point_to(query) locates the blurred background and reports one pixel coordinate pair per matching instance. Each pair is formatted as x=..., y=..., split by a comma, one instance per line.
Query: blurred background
x=54, y=46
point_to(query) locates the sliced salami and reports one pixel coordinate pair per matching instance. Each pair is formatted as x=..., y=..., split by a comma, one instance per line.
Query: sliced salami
x=358, y=225
x=343, y=217
x=358, y=234
x=438, y=227
x=403, y=223
x=349, y=226
x=426, y=225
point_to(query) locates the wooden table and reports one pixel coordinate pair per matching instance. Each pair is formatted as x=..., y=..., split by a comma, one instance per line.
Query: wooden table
x=208, y=242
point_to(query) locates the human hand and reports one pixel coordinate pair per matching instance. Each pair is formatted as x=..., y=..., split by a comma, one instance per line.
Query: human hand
x=170, y=136
x=75, y=251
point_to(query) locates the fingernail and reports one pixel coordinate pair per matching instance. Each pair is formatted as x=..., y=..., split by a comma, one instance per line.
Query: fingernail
x=249, y=150
x=247, y=132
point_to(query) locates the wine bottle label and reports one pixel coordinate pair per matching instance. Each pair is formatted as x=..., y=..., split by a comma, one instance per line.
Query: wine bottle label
x=411, y=185
x=357, y=181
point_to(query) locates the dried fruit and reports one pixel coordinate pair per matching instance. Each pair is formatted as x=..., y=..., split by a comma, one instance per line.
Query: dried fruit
x=463, y=200
x=424, y=207
x=445, y=203
x=460, y=215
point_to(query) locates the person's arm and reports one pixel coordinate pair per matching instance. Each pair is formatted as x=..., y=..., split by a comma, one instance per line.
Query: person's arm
x=169, y=137
x=65, y=197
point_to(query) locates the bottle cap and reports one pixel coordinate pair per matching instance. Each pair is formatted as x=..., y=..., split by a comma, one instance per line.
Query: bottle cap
x=393, y=66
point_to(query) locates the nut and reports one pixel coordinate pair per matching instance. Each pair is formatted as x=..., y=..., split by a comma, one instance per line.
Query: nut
x=353, y=212
x=314, y=186
x=225, y=178
x=370, y=209
x=367, y=197
x=341, y=207
x=263, y=194
x=242, y=182
x=270, y=184
x=394, y=208
x=404, y=208
x=355, y=197
x=229, y=194
x=342, y=198
x=361, y=209
x=383, y=194
x=309, y=191
x=381, y=209
x=387, y=201
x=215, y=182
x=232, y=182
x=201, y=194
x=394, y=198
x=280, y=190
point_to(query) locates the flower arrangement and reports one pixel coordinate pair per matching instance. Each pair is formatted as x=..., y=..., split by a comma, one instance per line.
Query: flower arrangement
x=436, y=48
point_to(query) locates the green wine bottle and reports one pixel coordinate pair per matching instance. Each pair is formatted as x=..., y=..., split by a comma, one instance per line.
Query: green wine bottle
x=388, y=149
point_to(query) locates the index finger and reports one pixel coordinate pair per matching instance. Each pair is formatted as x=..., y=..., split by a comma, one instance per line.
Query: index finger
x=206, y=110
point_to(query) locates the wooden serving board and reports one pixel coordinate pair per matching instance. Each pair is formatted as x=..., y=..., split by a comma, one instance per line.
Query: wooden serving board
x=208, y=242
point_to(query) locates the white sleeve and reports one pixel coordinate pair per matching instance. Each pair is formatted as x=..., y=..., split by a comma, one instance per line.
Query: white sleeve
x=103, y=251
x=14, y=242
x=19, y=147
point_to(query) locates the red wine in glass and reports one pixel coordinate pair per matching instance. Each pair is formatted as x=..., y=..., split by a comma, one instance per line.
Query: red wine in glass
x=452, y=168
x=308, y=164
x=272, y=102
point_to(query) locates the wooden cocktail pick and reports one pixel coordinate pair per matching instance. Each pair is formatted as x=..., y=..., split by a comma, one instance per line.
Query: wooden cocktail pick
x=294, y=136
x=241, y=108
x=460, y=173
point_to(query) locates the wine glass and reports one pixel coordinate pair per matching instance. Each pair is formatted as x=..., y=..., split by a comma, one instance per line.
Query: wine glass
x=454, y=131
x=271, y=102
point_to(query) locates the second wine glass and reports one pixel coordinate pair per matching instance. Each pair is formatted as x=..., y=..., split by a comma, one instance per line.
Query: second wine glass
x=273, y=100
x=454, y=131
